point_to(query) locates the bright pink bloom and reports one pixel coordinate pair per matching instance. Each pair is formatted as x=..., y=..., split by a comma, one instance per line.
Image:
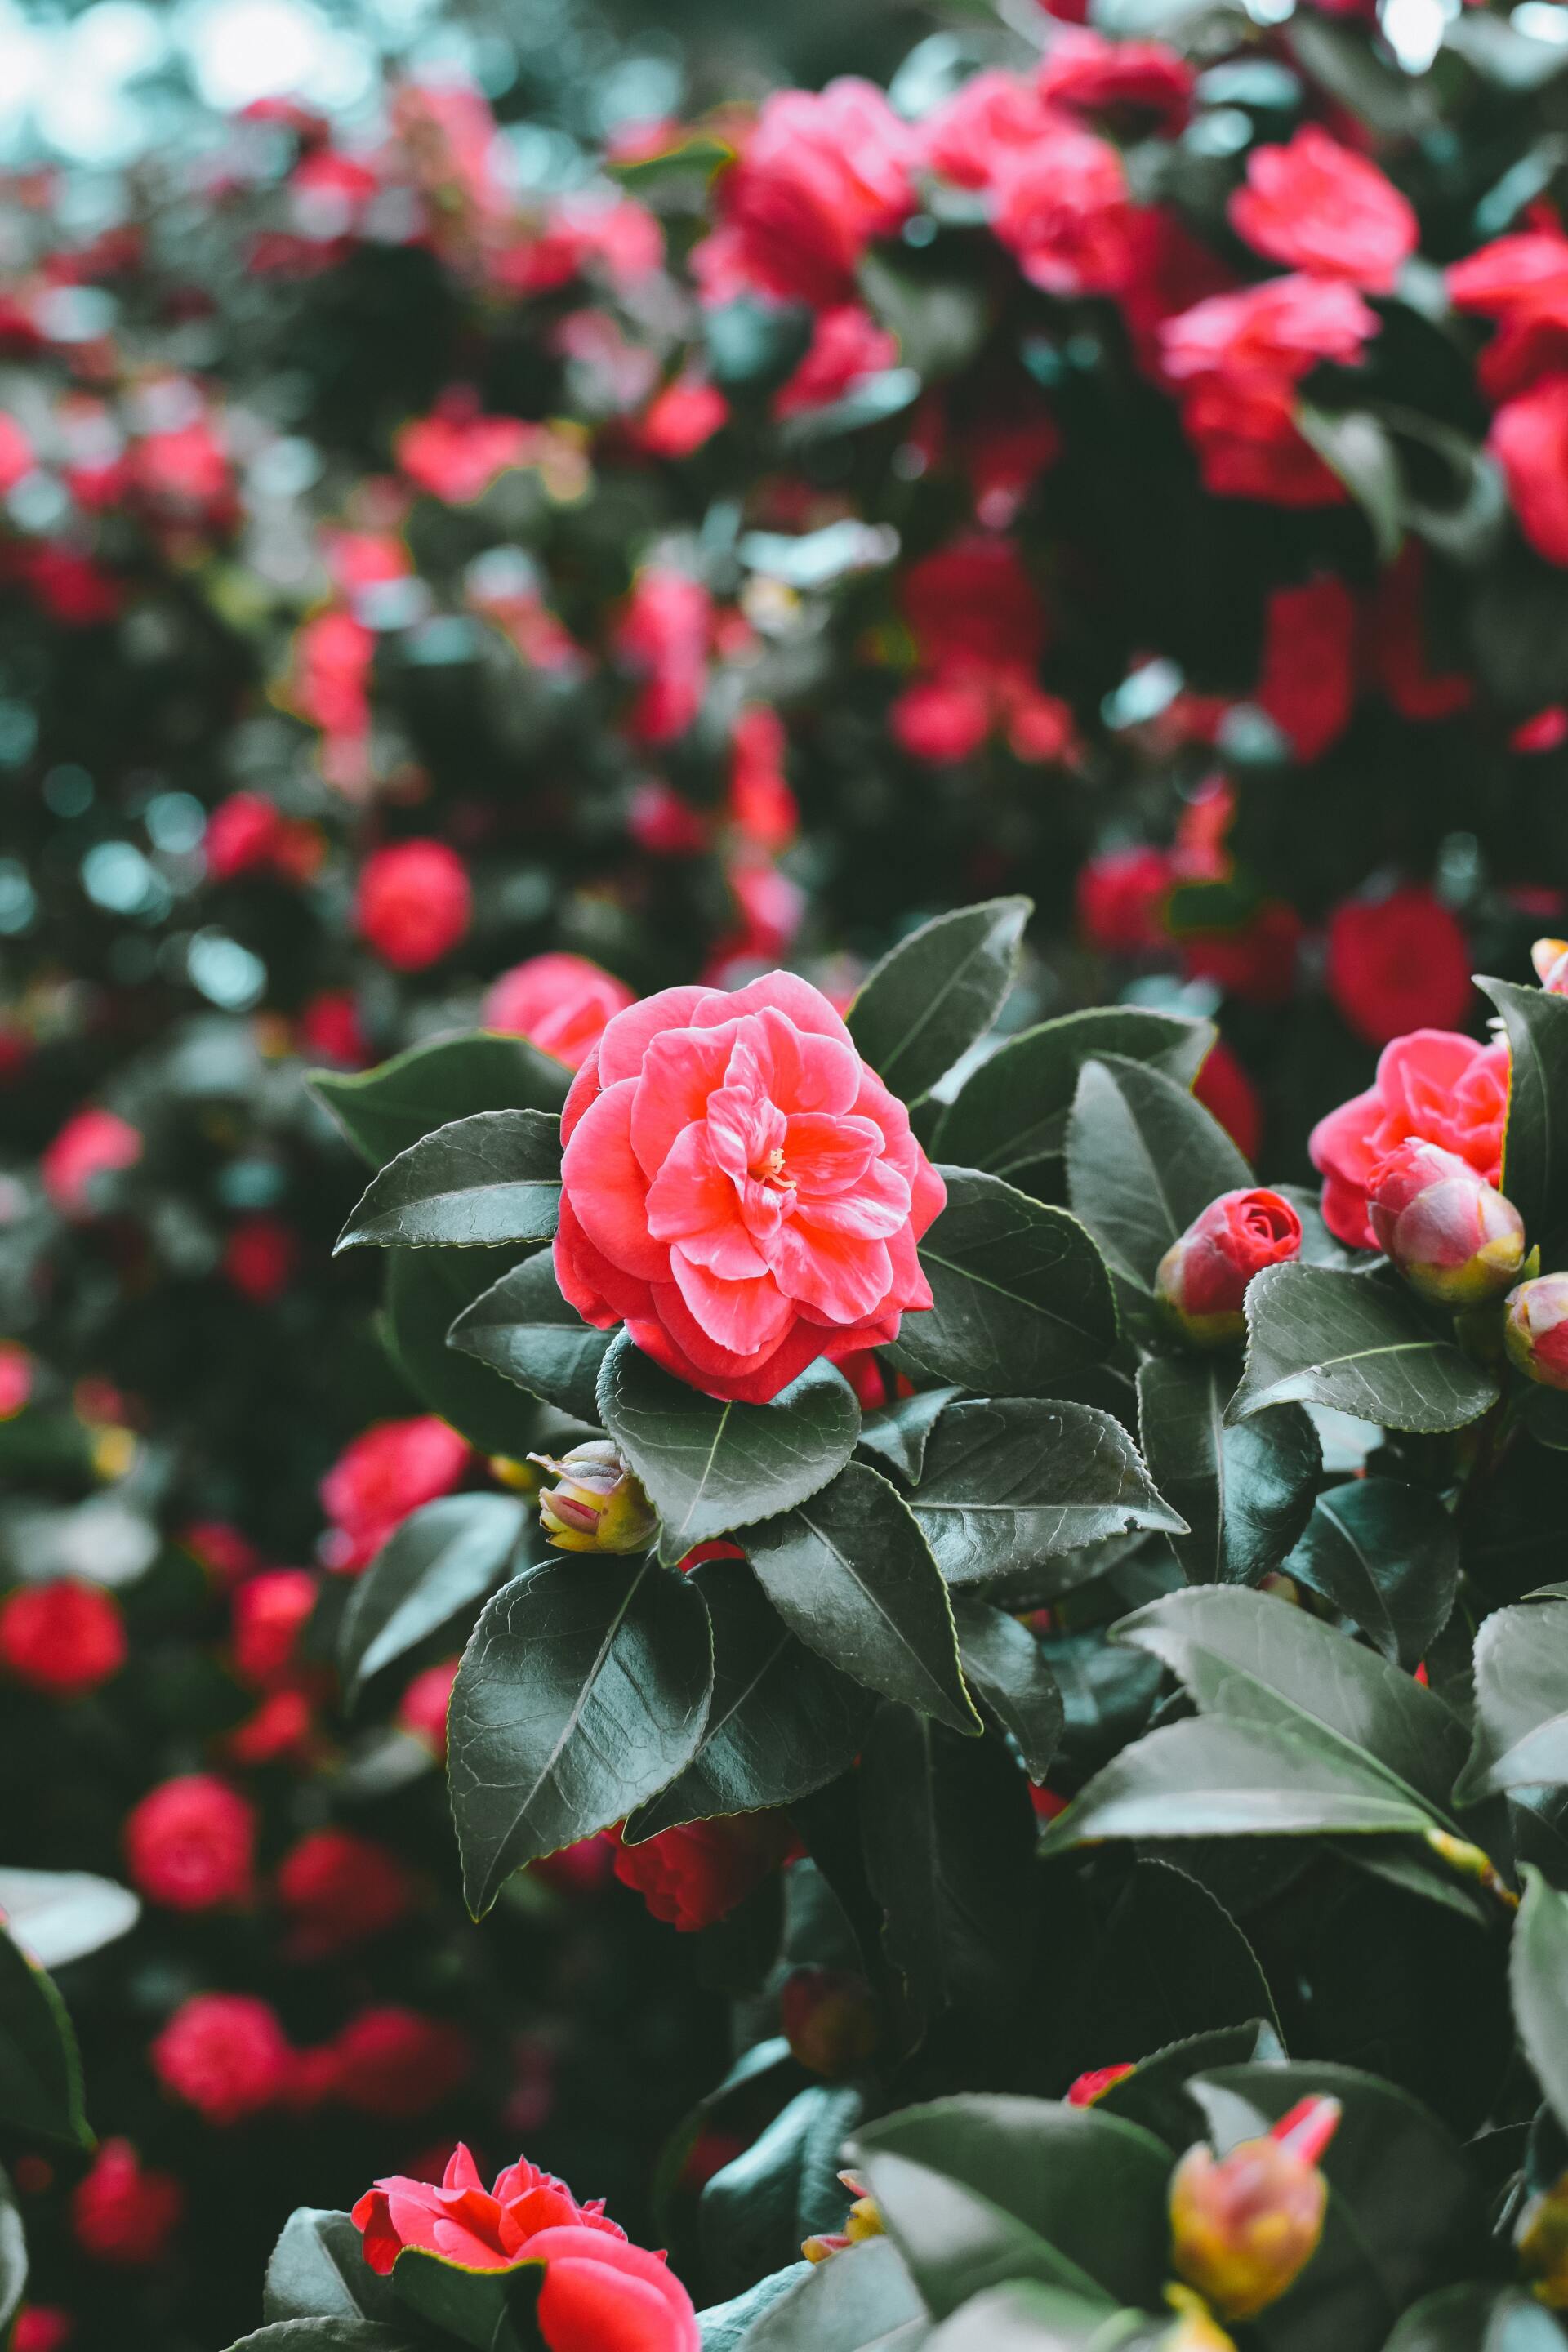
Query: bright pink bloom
x=91, y=1144
x=1530, y=441
x=385, y=1473
x=558, y=1003
x=1397, y=963
x=412, y=903
x=190, y=1843
x=393, y=2063
x=225, y=2054
x=1433, y=1084
x=1308, y=680
x=695, y=1874
x=339, y=1890
x=1062, y=207
x=820, y=176
x=270, y=1611
x=64, y=1637
x=123, y=2211
x=1092, y=74
x=1282, y=328
x=971, y=136
x=1315, y=205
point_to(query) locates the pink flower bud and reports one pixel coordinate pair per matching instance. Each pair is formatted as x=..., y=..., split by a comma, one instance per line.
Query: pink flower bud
x=1550, y=957
x=598, y=1505
x=1203, y=1277
x=1453, y=1237
x=1245, y=2226
x=1535, y=1330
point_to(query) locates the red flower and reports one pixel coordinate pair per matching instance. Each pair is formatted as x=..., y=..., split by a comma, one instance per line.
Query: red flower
x=261, y=1257
x=1248, y=446
x=1397, y=963
x=1203, y=1276
x=15, y=455
x=846, y=344
x=559, y=1003
x=739, y=1189
x=941, y=719
x=422, y=1710
x=1092, y=74
x=1225, y=1091
x=972, y=601
x=225, y=2054
x=600, y=2294
x=819, y=177
x=243, y=835
x=993, y=119
x=456, y=454
x=190, y=1843
x=1085, y=2088
x=330, y=1027
x=1120, y=894
x=1308, y=681
x=412, y=903
x=1283, y=328
x=696, y=1875
x=121, y=2211
x=663, y=637
x=1442, y=1088
x=1063, y=209
x=41, y=2327
x=1530, y=441
x=91, y=1144
x=268, y=1611
x=681, y=417
x=382, y=1474
x=63, y=1637
x=1315, y=205
x=340, y=1890
x=392, y=2063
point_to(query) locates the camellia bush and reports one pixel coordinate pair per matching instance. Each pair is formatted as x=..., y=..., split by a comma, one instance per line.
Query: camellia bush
x=1087, y=1645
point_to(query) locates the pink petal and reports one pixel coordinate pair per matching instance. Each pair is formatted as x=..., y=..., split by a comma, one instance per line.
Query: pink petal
x=843, y=1276
x=600, y=1292
x=461, y=2172
x=875, y=1211
x=627, y=1038
x=807, y=1070
x=607, y=1188
x=601, y=2295
x=745, y=1317
x=680, y=1071
x=692, y=1193
x=581, y=1091
x=825, y=1154
x=677, y=1343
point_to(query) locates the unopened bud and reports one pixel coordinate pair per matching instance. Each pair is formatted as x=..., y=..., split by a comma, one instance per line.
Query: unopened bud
x=1245, y=2226
x=1085, y=2089
x=1535, y=1330
x=863, y=2221
x=1202, y=1278
x=1451, y=1235
x=1550, y=957
x=1541, y=2242
x=829, y=2020
x=1195, y=2327
x=597, y=1503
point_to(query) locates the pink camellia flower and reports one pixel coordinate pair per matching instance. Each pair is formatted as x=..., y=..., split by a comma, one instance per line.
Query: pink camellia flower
x=1203, y=1276
x=1315, y=205
x=382, y=1474
x=225, y=2054
x=1433, y=1084
x=600, y=2292
x=822, y=173
x=1535, y=1330
x=1397, y=963
x=1454, y=1237
x=1282, y=328
x=1062, y=208
x=123, y=2211
x=190, y=1843
x=739, y=1189
x=558, y=1003
x=1530, y=441
x=91, y=1144
x=412, y=903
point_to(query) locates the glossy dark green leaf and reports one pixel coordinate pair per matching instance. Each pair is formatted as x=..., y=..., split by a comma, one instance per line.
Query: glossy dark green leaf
x=1535, y=1144
x=583, y=1691
x=1169, y=1963
x=1010, y=1482
x=862, y=2301
x=522, y=1327
x=1210, y=1778
x=1027, y=2316
x=782, y=2190
x=948, y=1833
x=1356, y=445
x=1404, y=2209
x=318, y=2270
x=13, y=2256
x=850, y=1571
x=970, y=2188
x=425, y=1289
x=481, y=1182
x=1386, y=1555
x=1538, y=1974
x=725, y=2327
x=1257, y=1660
x=897, y=1433
x=337, y=2334
x=1315, y=1337
x=1245, y=1491
x=1521, y=1701
x=1481, y=2316
x=782, y=1722
x=1011, y=1114
x=1154, y=2093
x=383, y=1111
x=928, y=1000
x=442, y=1559
x=1006, y=1665
x=708, y=1466
x=1022, y=1299
x=1144, y=1159
x=492, y=2311
x=40, y=2077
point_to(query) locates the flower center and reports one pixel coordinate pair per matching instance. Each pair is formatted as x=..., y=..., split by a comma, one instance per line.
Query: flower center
x=770, y=1170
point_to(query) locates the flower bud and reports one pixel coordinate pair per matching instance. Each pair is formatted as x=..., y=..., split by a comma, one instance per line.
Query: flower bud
x=1203, y=1277
x=1535, y=1330
x=1245, y=2226
x=597, y=1505
x=1550, y=957
x=1541, y=2242
x=1195, y=2327
x=864, y=2220
x=1452, y=1236
x=829, y=2020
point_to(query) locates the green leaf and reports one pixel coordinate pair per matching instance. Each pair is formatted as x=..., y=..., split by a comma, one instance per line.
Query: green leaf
x=1022, y=1299
x=1344, y=1341
x=1155, y=2095
x=583, y=1691
x=948, y=1833
x=1387, y=1556
x=1253, y=1658
x=40, y=2076
x=318, y=2270
x=1477, y=2318
x=383, y=1111
x=1010, y=1482
x=782, y=1723
x=850, y=1571
x=1521, y=1702
x=522, y=1327
x=1535, y=1142
x=862, y=2301
x=1244, y=1492
x=1007, y=1666
x=1169, y=1964
x=973, y=2191
x=1011, y=1114
x=491, y=2310
x=1356, y=447
x=1403, y=2210
x=928, y=1000
x=482, y=1182
x=1025, y=2317
x=13, y=2256
x=1538, y=1976
x=1208, y=1777
x=64, y=1914
x=1143, y=1158
x=897, y=1432
x=336, y=2334
x=425, y=1289
x=725, y=2327
x=709, y=1466
x=784, y=2187
x=441, y=1559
